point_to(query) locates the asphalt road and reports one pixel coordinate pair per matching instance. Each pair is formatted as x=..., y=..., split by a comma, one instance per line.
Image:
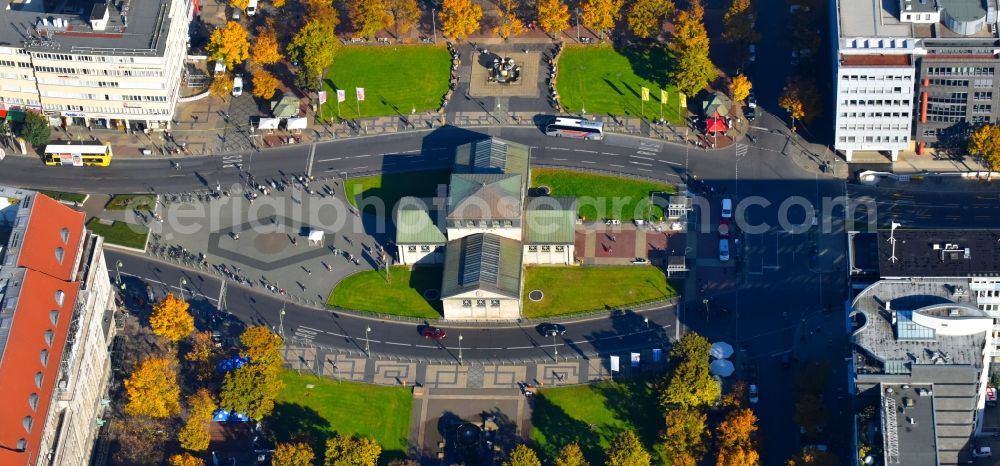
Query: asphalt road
x=511, y=343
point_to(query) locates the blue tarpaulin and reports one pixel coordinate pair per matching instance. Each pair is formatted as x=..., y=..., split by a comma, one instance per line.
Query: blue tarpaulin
x=223, y=415
x=234, y=362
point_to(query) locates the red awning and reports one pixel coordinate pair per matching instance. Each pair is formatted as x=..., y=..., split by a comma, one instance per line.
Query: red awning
x=715, y=125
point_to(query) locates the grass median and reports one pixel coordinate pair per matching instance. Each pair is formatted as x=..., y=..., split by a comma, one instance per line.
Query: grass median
x=571, y=290
x=120, y=233
x=606, y=80
x=602, y=196
x=329, y=407
x=131, y=201
x=398, y=80
x=403, y=296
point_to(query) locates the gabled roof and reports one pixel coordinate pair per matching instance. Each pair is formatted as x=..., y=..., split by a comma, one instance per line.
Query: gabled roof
x=492, y=155
x=415, y=223
x=484, y=262
x=484, y=196
x=286, y=107
x=51, y=242
x=550, y=220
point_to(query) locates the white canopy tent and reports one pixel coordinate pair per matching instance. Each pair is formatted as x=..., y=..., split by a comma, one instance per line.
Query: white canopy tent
x=297, y=123
x=316, y=237
x=268, y=123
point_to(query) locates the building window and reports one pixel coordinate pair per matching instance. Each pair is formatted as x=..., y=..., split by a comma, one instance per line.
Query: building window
x=480, y=303
x=495, y=303
x=560, y=248
x=59, y=255
x=466, y=303
x=60, y=297
x=411, y=249
x=54, y=317
x=508, y=223
x=546, y=248
x=64, y=234
x=49, y=336
x=425, y=248
x=27, y=423
x=33, y=401
x=45, y=357
x=532, y=248
x=39, y=378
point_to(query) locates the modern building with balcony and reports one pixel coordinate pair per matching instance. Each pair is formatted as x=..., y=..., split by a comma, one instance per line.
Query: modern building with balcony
x=913, y=75
x=57, y=314
x=114, y=65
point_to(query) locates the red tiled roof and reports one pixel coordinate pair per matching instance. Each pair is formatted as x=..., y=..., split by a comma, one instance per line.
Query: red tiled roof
x=48, y=223
x=22, y=360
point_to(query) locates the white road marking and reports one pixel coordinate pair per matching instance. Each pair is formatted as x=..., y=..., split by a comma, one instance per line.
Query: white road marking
x=561, y=160
x=643, y=152
x=425, y=346
x=520, y=347
x=587, y=161
x=644, y=170
x=640, y=163
x=397, y=344
x=608, y=153
x=312, y=155
x=362, y=156
x=671, y=163
x=330, y=160
x=587, y=151
x=616, y=165
x=489, y=348
x=640, y=157
x=358, y=168
x=558, y=148
x=414, y=151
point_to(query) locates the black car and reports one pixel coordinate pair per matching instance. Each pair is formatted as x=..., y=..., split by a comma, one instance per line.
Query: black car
x=551, y=330
x=750, y=113
x=752, y=100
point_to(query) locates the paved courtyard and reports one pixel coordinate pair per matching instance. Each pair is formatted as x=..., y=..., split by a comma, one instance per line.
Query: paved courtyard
x=600, y=244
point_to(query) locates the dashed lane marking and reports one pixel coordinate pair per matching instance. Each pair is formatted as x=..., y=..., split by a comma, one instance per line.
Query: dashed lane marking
x=587, y=151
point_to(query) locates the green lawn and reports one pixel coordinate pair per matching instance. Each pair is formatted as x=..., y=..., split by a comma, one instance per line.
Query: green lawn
x=380, y=193
x=604, y=80
x=120, y=233
x=368, y=291
x=570, y=290
x=600, y=196
x=68, y=197
x=379, y=412
x=396, y=79
x=131, y=201
x=593, y=414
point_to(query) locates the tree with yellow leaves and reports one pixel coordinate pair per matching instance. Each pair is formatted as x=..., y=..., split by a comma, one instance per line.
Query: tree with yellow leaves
x=509, y=24
x=684, y=436
x=523, y=455
x=739, y=88
x=322, y=11
x=553, y=16
x=810, y=456
x=240, y=4
x=459, y=18
x=344, y=450
x=403, y=14
x=368, y=16
x=265, y=49
x=693, y=68
x=253, y=387
x=601, y=15
x=170, y=318
x=313, y=48
x=627, y=450
x=262, y=346
x=738, y=23
x=278, y=3
x=222, y=86
x=229, y=44
x=264, y=84
x=186, y=459
x=734, y=437
x=203, y=356
x=984, y=142
x=293, y=454
x=571, y=455
x=645, y=17
x=800, y=99
x=194, y=436
x=152, y=389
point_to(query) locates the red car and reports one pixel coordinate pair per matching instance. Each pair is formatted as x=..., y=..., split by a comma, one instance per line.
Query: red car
x=433, y=333
x=725, y=228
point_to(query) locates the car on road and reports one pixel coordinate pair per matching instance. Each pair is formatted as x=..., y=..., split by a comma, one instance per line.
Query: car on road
x=725, y=228
x=727, y=208
x=982, y=452
x=752, y=100
x=750, y=113
x=551, y=330
x=433, y=333
x=753, y=53
x=724, y=250
x=237, y=86
x=754, y=394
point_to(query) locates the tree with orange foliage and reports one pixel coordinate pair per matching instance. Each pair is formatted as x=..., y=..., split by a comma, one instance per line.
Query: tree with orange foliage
x=170, y=318
x=323, y=12
x=229, y=44
x=403, y=14
x=194, y=435
x=293, y=454
x=266, y=49
x=203, y=355
x=459, y=18
x=186, y=459
x=736, y=446
x=601, y=15
x=553, y=16
x=510, y=24
x=152, y=389
x=684, y=436
x=264, y=84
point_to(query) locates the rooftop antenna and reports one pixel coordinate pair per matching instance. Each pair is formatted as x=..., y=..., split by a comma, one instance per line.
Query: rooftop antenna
x=892, y=240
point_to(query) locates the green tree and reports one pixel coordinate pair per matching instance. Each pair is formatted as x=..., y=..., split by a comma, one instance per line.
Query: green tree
x=626, y=450
x=684, y=436
x=738, y=23
x=601, y=15
x=553, y=16
x=693, y=68
x=645, y=17
x=368, y=16
x=170, y=318
x=313, y=48
x=152, y=389
x=984, y=143
x=571, y=455
x=36, y=129
x=691, y=346
x=348, y=451
x=522, y=455
x=253, y=387
x=293, y=454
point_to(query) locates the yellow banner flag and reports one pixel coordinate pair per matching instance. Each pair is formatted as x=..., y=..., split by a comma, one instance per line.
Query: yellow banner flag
x=684, y=100
x=645, y=94
x=663, y=96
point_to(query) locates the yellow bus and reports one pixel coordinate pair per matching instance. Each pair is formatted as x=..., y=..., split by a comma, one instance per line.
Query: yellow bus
x=78, y=155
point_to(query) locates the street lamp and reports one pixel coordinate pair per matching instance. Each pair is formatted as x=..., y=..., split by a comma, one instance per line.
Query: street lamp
x=704, y=302
x=183, y=282
x=578, y=24
x=434, y=25
x=460, y=349
x=645, y=320
x=118, y=273
x=281, y=319
x=367, y=347
x=555, y=348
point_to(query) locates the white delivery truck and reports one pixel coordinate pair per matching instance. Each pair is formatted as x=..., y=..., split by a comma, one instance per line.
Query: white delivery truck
x=252, y=8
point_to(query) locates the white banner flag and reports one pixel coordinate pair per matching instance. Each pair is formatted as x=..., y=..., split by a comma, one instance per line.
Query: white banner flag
x=360, y=93
x=615, y=364
x=635, y=359
x=322, y=97
x=341, y=95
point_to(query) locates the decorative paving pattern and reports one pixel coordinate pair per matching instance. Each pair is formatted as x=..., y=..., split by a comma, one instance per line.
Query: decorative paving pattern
x=274, y=241
x=553, y=374
x=301, y=359
x=503, y=376
x=446, y=376
x=340, y=367
x=475, y=376
x=527, y=86
x=395, y=373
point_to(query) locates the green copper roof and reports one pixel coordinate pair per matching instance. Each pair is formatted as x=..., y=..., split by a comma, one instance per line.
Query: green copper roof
x=484, y=196
x=415, y=223
x=550, y=220
x=482, y=262
x=492, y=155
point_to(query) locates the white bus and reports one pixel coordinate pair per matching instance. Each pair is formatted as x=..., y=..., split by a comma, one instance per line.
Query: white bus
x=579, y=128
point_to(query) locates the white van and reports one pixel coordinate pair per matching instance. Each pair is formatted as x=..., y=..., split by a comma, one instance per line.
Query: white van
x=727, y=208
x=237, y=86
x=252, y=8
